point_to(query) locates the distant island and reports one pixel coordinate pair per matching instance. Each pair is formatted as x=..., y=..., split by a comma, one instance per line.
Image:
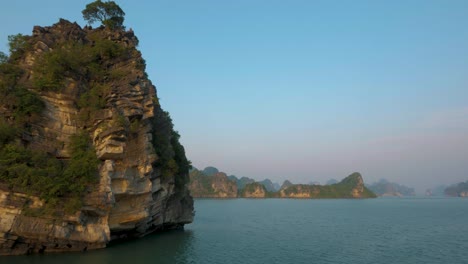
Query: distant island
x=211, y=183
x=386, y=188
x=457, y=190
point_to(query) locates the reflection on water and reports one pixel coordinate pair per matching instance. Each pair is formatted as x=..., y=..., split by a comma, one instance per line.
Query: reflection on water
x=167, y=247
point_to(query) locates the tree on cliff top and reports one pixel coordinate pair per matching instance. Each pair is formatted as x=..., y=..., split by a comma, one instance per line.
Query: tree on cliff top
x=109, y=13
x=3, y=57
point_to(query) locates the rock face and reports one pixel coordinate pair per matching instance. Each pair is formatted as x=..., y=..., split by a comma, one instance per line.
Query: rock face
x=141, y=184
x=350, y=187
x=221, y=186
x=254, y=190
x=215, y=186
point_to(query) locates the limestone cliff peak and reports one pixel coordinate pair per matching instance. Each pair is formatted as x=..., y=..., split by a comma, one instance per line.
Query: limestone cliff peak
x=98, y=159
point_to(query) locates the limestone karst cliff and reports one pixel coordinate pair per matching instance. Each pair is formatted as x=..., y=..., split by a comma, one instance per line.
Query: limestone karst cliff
x=457, y=190
x=254, y=190
x=221, y=186
x=350, y=187
x=87, y=154
x=217, y=185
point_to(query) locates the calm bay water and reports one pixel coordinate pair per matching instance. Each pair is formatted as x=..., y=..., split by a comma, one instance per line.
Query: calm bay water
x=384, y=230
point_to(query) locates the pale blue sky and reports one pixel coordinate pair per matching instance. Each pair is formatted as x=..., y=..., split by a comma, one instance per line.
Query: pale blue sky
x=306, y=90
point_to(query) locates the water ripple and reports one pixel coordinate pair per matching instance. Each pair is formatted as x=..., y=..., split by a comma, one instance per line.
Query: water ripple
x=299, y=231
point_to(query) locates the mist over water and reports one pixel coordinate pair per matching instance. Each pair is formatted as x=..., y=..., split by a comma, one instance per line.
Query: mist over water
x=383, y=230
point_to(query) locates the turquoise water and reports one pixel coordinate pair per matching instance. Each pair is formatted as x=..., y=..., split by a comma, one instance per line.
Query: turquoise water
x=380, y=230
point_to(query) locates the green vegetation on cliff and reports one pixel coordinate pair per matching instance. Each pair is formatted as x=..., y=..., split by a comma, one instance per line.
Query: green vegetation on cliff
x=61, y=183
x=171, y=154
x=350, y=187
x=202, y=185
x=203, y=182
x=21, y=106
x=87, y=155
x=108, y=13
x=89, y=63
x=217, y=185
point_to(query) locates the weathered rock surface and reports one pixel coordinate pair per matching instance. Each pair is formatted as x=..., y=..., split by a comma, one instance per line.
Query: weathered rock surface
x=134, y=196
x=215, y=186
x=220, y=186
x=350, y=187
x=254, y=190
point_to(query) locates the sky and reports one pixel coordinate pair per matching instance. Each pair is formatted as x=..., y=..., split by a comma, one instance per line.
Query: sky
x=302, y=90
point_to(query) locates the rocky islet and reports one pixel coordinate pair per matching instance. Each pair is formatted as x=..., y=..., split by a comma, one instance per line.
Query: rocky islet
x=140, y=182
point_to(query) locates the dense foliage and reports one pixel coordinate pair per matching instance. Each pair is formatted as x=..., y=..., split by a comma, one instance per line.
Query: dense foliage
x=88, y=62
x=201, y=185
x=3, y=57
x=94, y=65
x=214, y=186
x=60, y=183
x=171, y=154
x=77, y=60
x=18, y=45
x=108, y=13
x=204, y=182
x=20, y=104
x=342, y=189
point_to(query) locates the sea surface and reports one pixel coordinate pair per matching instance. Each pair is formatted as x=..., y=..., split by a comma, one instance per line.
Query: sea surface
x=383, y=230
